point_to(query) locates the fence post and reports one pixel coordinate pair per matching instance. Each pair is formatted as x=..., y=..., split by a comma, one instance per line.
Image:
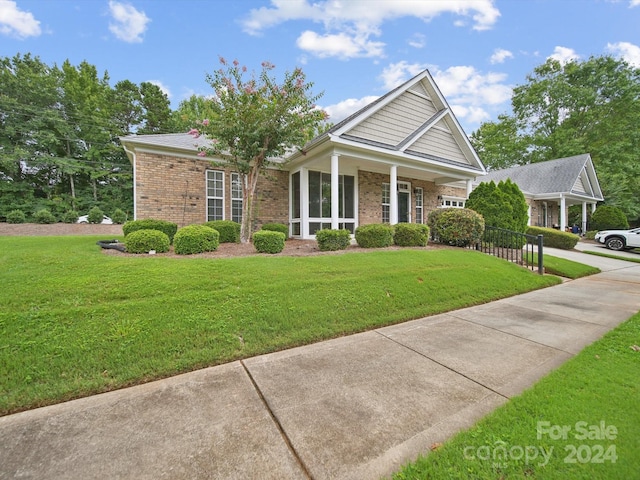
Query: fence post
x=540, y=259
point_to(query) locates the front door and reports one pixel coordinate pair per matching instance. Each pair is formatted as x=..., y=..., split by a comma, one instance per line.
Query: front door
x=404, y=209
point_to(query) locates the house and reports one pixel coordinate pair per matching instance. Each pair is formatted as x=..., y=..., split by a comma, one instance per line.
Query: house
x=551, y=187
x=395, y=160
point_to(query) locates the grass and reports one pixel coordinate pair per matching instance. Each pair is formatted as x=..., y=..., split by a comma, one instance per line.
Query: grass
x=565, y=268
x=599, y=387
x=617, y=257
x=75, y=321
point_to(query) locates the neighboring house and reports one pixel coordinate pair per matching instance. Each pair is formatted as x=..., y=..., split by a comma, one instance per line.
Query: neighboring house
x=551, y=187
x=395, y=160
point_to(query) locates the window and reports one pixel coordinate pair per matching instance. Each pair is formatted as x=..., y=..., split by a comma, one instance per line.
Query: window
x=419, y=205
x=320, y=201
x=386, y=199
x=215, y=195
x=236, y=198
x=452, y=202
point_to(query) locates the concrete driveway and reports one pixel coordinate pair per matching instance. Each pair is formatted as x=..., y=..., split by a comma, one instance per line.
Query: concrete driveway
x=356, y=407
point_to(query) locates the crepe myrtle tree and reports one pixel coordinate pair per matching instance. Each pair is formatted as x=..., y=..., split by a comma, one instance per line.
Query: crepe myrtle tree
x=255, y=120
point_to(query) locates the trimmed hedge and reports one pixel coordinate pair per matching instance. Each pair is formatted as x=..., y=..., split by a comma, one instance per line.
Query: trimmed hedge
x=331, y=240
x=268, y=241
x=555, y=238
x=277, y=227
x=143, y=241
x=229, y=231
x=608, y=217
x=16, y=216
x=96, y=215
x=374, y=235
x=411, y=235
x=168, y=228
x=195, y=239
x=459, y=227
x=44, y=216
x=70, y=216
x=119, y=216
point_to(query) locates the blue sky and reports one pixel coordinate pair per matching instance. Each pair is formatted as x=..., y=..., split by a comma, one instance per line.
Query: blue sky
x=353, y=50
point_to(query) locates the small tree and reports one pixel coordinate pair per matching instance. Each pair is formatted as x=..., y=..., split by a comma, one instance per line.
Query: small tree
x=502, y=205
x=256, y=120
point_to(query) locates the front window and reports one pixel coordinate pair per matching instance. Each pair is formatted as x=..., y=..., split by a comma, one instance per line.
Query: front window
x=419, y=205
x=215, y=195
x=320, y=201
x=236, y=198
x=386, y=202
x=452, y=202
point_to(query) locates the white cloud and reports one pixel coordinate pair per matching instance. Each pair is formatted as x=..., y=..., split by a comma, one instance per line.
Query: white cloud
x=634, y=3
x=397, y=73
x=338, y=45
x=627, y=51
x=500, y=55
x=129, y=24
x=17, y=23
x=341, y=110
x=417, y=40
x=564, y=55
x=357, y=20
x=162, y=87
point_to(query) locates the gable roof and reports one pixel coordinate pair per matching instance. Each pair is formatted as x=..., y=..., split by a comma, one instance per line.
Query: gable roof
x=570, y=175
x=412, y=121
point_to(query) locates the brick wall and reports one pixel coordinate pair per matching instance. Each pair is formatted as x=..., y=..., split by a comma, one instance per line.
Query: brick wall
x=174, y=189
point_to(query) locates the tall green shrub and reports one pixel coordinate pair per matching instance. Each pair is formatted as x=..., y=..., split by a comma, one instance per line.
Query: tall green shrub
x=119, y=216
x=168, y=228
x=608, y=217
x=96, y=215
x=502, y=205
x=16, y=216
x=229, y=231
x=44, y=216
x=459, y=227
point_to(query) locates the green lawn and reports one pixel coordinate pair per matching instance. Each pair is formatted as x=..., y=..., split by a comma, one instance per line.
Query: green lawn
x=579, y=422
x=565, y=268
x=613, y=255
x=75, y=321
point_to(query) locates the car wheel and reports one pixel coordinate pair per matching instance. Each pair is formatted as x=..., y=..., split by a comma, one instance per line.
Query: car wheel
x=615, y=243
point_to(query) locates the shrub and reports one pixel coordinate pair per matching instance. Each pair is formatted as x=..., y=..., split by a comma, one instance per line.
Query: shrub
x=607, y=217
x=277, y=227
x=432, y=221
x=168, y=228
x=96, y=215
x=555, y=238
x=502, y=205
x=195, y=239
x=590, y=235
x=459, y=227
x=229, y=231
x=330, y=240
x=44, y=216
x=70, y=216
x=374, y=235
x=119, y=216
x=16, y=216
x=143, y=241
x=411, y=235
x=269, y=241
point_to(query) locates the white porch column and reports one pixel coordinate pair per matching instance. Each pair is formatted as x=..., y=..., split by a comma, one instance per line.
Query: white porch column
x=469, y=187
x=304, y=203
x=584, y=217
x=529, y=215
x=593, y=207
x=393, y=195
x=335, y=192
x=563, y=213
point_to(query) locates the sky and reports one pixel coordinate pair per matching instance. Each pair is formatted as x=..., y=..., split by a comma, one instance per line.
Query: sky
x=352, y=50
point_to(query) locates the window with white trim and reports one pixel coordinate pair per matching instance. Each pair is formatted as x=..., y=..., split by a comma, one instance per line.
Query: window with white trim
x=419, y=193
x=215, y=195
x=452, y=202
x=236, y=198
x=386, y=202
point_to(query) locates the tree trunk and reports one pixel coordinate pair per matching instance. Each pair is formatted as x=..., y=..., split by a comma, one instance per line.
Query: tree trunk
x=73, y=191
x=249, y=182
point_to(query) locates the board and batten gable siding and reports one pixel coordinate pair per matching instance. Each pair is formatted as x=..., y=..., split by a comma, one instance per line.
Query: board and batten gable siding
x=396, y=121
x=439, y=141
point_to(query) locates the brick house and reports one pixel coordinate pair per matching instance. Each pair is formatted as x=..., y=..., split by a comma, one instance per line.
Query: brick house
x=551, y=187
x=393, y=161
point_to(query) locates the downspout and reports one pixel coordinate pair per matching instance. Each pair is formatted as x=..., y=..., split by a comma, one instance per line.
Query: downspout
x=131, y=154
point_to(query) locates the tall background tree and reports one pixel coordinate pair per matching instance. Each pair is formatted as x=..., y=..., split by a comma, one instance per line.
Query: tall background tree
x=590, y=106
x=256, y=119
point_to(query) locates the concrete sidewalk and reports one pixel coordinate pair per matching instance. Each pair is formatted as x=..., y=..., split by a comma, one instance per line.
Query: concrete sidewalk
x=356, y=407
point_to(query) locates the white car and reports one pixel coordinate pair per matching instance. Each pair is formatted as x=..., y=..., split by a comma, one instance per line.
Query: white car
x=619, y=239
x=105, y=220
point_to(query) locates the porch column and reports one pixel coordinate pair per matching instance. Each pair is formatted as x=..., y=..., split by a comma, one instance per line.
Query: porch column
x=563, y=213
x=593, y=207
x=335, y=192
x=304, y=203
x=393, y=195
x=584, y=217
x=469, y=187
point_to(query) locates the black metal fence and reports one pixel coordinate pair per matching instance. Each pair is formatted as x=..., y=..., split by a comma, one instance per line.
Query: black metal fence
x=520, y=248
